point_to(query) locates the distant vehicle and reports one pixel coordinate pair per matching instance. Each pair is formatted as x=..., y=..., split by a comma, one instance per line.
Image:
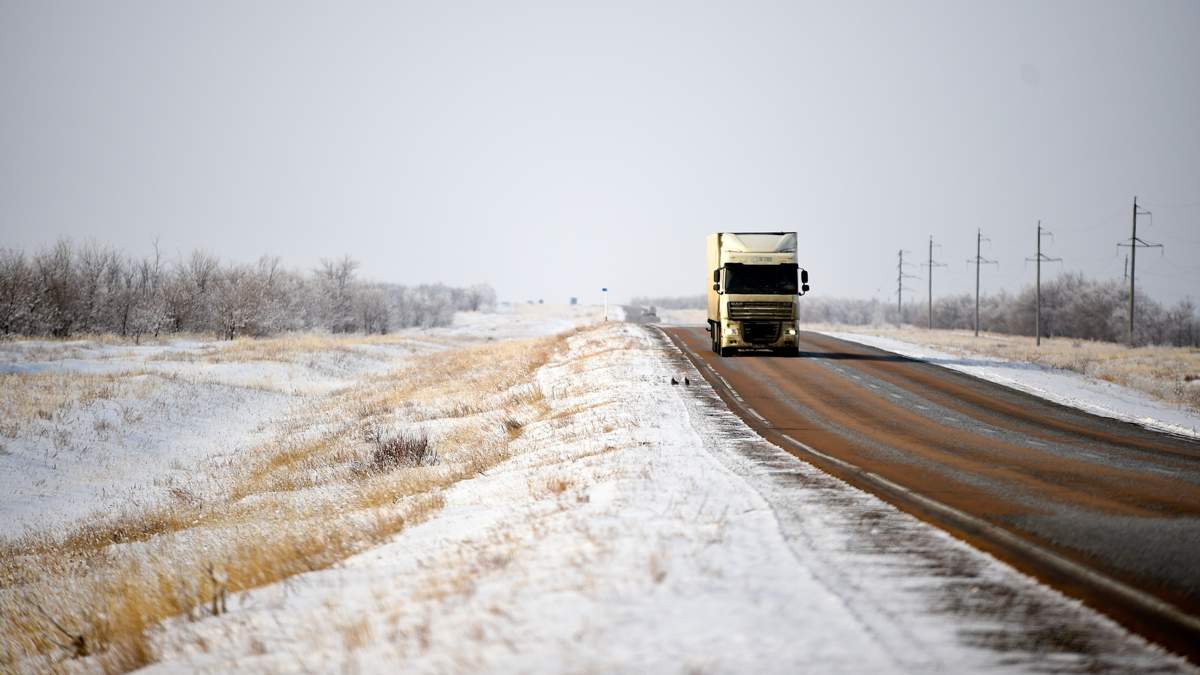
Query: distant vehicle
x=756, y=283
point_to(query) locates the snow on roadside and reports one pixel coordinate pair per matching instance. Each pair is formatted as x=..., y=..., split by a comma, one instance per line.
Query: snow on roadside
x=173, y=410
x=1060, y=386
x=641, y=527
x=127, y=451
x=512, y=320
x=160, y=417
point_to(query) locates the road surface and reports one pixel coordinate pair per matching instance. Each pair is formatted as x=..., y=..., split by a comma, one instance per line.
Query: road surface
x=1104, y=510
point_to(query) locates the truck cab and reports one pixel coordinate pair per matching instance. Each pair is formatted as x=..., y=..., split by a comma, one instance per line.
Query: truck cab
x=756, y=284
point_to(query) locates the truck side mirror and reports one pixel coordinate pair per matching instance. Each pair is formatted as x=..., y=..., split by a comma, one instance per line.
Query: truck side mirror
x=717, y=287
x=804, y=277
x=716, y=276
x=804, y=288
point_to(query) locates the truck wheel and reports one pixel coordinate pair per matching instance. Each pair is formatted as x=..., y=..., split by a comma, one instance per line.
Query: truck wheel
x=714, y=340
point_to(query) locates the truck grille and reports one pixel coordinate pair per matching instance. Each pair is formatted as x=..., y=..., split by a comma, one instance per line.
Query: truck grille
x=761, y=311
x=756, y=332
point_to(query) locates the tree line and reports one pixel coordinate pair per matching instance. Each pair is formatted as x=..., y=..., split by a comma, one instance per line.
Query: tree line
x=1073, y=306
x=674, y=302
x=71, y=289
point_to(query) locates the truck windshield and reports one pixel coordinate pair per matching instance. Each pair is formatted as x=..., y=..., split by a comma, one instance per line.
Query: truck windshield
x=760, y=279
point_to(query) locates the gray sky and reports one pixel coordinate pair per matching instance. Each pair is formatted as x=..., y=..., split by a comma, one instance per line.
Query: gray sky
x=552, y=151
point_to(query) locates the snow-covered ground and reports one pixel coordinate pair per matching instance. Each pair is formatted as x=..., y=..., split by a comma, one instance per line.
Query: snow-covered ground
x=637, y=527
x=1061, y=386
x=136, y=422
x=640, y=527
x=517, y=320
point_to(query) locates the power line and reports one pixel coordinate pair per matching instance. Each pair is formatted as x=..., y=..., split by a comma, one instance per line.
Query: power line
x=979, y=261
x=1133, y=244
x=931, y=264
x=1040, y=258
x=900, y=277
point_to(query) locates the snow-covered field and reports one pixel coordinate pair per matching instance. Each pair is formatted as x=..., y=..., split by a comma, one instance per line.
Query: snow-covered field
x=1061, y=386
x=630, y=525
x=91, y=426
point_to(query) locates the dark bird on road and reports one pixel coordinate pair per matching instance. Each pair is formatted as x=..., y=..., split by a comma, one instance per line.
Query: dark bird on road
x=687, y=381
x=674, y=381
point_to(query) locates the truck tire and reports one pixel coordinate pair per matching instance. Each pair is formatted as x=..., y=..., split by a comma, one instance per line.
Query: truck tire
x=725, y=351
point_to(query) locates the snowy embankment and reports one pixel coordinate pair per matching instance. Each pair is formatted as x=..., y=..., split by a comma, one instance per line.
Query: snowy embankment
x=640, y=526
x=1064, y=387
x=98, y=427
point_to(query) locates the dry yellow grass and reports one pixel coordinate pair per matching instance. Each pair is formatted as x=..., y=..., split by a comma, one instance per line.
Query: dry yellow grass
x=357, y=634
x=295, y=347
x=43, y=395
x=108, y=339
x=1168, y=373
x=49, y=348
x=303, y=501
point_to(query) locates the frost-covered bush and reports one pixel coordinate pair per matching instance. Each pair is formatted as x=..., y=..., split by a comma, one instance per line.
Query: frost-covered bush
x=394, y=451
x=70, y=289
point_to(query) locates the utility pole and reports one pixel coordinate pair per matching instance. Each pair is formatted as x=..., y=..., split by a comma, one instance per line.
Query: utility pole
x=1133, y=244
x=900, y=277
x=931, y=264
x=979, y=261
x=1037, y=321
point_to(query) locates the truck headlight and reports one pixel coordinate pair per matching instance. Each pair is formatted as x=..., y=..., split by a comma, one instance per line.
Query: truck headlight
x=791, y=331
x=731, y=330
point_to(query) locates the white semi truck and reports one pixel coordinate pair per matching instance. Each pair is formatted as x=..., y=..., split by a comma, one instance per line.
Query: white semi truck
x=755, y=285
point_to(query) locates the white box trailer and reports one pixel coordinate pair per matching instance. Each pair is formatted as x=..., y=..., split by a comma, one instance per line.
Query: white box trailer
x=754, y=282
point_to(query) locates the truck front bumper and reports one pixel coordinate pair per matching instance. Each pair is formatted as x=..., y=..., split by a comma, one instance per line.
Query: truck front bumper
x=758, y=334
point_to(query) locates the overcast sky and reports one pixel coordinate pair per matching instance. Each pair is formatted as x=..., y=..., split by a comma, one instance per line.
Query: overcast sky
x=551, y=151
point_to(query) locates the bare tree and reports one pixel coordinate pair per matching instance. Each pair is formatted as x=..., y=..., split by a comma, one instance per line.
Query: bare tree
x=479, y=298
x=55, y=270
x=97, y=274
x=336, y=281
x=149, y=311
x=187, y=293
x=372, y=308
x=18, y=294
x=235, y=295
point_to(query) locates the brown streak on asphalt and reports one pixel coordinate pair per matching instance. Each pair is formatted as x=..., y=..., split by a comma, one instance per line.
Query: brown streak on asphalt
x=1010, y=459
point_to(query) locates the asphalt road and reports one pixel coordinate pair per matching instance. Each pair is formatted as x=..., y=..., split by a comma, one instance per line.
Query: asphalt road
x=1104, y=510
